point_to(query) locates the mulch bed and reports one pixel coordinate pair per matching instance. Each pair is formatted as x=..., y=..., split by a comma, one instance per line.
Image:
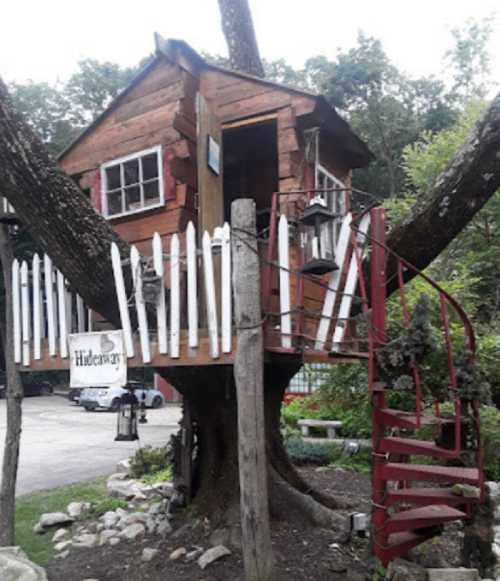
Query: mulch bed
x=302, y=552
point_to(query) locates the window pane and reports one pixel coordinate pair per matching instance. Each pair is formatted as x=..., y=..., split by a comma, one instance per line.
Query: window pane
x=132, y=198
x=151, y=193
x=114, y=203
x=131, y=172
x=150, y=167
x=113, y=178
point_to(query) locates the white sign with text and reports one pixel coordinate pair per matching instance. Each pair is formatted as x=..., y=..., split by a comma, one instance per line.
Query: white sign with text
x=97, y=359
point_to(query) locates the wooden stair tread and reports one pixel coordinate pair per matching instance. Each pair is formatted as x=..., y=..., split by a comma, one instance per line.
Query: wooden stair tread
x=422, y=517
x=408, y=420
x=396, y=471
x=409, y=446
x=427, y=496
x=400, y=543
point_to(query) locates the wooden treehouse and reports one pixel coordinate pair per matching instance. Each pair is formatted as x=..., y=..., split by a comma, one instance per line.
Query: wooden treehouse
x=163, y=164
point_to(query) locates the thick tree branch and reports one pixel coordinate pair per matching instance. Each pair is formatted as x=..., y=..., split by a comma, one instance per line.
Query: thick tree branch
x=469, y=181
x=56, y=213
x=239, y=32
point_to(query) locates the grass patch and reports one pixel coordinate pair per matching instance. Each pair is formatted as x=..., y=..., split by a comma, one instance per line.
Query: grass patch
x=160, y=476
x=107, y=504
x=39, y=548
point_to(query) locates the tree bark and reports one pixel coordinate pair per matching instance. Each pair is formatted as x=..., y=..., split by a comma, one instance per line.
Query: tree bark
x=14, y=403
x=238, y=29
x=469, y=181
x=58, y=216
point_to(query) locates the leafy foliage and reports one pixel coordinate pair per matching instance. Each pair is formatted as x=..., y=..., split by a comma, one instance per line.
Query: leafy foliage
x=108, y=504
x=149, y=460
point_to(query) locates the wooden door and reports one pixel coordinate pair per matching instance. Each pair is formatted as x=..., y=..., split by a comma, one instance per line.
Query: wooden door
x=210, y=179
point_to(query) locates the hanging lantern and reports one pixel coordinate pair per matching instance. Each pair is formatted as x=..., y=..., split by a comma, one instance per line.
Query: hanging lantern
x=320, y=252
x=151, y=286
x=142, y=413
x=127, y=418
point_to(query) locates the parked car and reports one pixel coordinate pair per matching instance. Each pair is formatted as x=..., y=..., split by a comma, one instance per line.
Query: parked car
x=31, y=388
x=93, y=398
x=74, y=394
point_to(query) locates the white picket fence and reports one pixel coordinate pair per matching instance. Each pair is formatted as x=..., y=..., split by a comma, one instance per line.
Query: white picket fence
x=338, y=284
x=43, y=307
x=168, y=316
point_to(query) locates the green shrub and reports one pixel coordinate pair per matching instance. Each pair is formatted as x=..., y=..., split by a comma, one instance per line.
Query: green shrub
x=301, y=452
x=149, y=460
x=108, y=504
x=164, y=475
x=490, y=431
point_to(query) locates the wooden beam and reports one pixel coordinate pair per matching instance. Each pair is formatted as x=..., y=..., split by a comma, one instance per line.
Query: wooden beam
x=249, y=379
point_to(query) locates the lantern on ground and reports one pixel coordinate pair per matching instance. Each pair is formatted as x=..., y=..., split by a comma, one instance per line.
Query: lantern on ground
x=151, y=286
x=319, y=244
x=127, y=418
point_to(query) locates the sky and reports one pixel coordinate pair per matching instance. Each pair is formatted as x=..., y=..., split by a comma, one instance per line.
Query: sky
x=44, y=39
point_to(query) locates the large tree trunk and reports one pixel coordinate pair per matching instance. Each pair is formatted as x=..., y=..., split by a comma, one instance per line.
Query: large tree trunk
x=239, y=32
x=472, y=177
x=58, y=216
x=212, y=398
x=14, y=403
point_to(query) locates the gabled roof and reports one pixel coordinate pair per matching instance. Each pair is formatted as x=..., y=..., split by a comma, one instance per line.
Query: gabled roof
x=175, y=50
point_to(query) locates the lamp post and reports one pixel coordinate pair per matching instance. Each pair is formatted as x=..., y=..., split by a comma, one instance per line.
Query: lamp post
x=319, y=243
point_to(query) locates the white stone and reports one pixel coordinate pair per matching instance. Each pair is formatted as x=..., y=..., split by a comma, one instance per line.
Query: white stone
x=114, y=541
x=164, y=528
x=59, y=535
x=194, y=554
x=62, y=546
x=38, y=529
x=86, y=540
x=164, y=488
x=128, y=488
x=15, y=566
x=156, y=508
x=150, y=525
x=107, y=534
x=62, y=555
x=148, y=554
x=134, y=517
x=110, y=519
x=123, y=466
x=178, y=554
x=453, y=574
x=76, y=509
x=493, y=489
x=51, y=519
x=133, y=531
x=213, y=554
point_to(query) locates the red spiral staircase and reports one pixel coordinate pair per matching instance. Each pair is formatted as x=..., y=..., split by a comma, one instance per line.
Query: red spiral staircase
x=414, y=480
x=413, y=499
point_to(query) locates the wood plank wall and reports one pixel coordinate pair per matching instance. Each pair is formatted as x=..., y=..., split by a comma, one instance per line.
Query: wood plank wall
x=159, y=110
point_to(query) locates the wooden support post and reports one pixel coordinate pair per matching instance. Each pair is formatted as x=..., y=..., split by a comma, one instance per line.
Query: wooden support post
x=249, y=378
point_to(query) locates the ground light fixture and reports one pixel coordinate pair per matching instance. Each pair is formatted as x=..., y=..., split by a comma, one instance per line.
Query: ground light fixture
x=127, y=417
x=317, y=221
x=142, y=412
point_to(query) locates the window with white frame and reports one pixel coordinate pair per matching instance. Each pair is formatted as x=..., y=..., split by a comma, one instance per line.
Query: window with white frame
x=335, y=200
x=133, y=183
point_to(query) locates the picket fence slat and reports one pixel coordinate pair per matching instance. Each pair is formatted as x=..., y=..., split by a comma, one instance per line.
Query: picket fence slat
x=37, y=309
x=25, y=312
x=48, y=272
x=226, y=299
x=63, y=325
x=135, y=262
x=80, y=314
x=349, y=288
x=121, y=296
x=175, y=311
x=284, y=266
x=16, y=310
x=333, y=284
x=192, y=285
x=161, y=310
x=208, y=271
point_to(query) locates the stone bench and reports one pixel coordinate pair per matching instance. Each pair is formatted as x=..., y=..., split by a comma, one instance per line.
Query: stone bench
x=329, y=425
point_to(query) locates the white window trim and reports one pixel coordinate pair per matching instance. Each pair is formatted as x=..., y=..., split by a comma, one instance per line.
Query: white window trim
x=121, y=160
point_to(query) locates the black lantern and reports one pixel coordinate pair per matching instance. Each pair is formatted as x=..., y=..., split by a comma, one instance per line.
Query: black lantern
x=142, y=412
x=127, y=418
x=319, y=244
x=151, y=286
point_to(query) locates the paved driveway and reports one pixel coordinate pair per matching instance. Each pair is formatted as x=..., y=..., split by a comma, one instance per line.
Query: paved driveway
x=62, y=443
